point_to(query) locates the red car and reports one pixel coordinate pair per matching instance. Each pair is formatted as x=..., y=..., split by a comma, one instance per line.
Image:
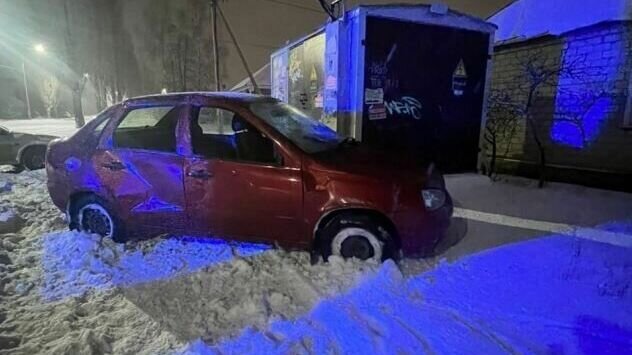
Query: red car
x=245, y=167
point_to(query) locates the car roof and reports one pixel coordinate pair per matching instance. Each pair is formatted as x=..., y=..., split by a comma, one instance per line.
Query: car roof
x=237, y=97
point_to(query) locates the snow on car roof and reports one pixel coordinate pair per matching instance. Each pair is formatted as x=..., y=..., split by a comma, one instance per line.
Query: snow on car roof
x=215, y=94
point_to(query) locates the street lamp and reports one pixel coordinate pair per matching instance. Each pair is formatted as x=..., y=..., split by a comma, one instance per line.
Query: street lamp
x=41, y=49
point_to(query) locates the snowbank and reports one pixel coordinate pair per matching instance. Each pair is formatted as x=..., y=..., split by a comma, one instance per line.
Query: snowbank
x=69, y=292
x=551, y=295
x=95, y=322
x=74, y=262
x=5, y=186
x=9, y=222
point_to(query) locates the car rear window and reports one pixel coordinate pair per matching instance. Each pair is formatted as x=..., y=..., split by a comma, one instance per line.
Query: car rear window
x=148, y=128
x=144, y=117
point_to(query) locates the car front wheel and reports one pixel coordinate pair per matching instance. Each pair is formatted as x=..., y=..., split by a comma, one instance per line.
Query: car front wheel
x=33, y=157
x=91, y=214
x=357, y=236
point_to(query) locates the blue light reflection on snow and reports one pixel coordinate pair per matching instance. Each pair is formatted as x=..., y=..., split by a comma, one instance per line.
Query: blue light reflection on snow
x=555, y=294
x=74, y=263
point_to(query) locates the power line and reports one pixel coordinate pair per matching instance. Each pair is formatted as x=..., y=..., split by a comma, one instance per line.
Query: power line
x=250, y=44
x=307, y=8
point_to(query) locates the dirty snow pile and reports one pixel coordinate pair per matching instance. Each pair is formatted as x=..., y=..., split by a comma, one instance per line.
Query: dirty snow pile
x=554, y=295
x=74, y=293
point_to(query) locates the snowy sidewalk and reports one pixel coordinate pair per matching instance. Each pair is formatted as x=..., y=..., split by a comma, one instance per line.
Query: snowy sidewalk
x=59, y=127
x=555, y=203
x=491, y=214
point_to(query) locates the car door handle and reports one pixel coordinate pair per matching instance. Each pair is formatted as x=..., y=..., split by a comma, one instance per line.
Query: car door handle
x=199, y=174
x=114, y=165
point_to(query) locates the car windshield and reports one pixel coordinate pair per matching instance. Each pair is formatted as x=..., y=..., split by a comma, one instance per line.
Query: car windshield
x=307, y=133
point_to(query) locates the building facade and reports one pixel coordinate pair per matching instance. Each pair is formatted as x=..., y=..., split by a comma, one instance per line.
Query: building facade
x=580, y=110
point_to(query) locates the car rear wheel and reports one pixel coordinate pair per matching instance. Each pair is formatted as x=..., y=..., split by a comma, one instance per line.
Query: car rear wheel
x=33, y=158
x=356, y=236
x=92, y=214
x=17, y=168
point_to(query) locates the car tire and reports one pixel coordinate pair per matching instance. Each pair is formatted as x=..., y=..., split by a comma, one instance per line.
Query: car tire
x=33, y=158
x=359, y=236
x=92, y=214
x=17, y=168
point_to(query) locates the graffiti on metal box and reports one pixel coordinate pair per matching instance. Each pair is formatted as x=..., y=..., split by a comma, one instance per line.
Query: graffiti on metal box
x=405, y=106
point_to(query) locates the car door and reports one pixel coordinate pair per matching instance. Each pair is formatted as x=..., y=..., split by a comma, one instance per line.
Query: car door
x=232, y=196
x=8, y=146
x=140, y=169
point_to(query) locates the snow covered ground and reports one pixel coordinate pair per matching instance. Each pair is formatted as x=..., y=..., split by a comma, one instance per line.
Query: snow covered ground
x=60, y=127
x=501, y=289
x=552, y=295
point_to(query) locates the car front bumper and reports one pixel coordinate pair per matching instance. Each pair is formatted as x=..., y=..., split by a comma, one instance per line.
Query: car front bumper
x=420, y=230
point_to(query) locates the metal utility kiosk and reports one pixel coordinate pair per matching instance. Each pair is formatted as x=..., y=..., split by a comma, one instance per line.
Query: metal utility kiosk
x=405, y=78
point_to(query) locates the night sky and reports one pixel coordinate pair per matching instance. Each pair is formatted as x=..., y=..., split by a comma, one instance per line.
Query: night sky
x=127, y=43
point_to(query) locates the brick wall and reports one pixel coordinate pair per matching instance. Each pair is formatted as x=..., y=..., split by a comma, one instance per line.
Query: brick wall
x=580, y=114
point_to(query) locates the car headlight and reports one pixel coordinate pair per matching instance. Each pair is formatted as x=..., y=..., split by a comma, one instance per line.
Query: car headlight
x=433, y=198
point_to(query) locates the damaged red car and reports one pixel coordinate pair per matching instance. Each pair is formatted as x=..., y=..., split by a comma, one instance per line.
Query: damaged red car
x=243, y=167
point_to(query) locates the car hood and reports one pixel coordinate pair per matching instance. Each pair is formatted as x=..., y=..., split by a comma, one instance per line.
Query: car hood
x=360, y=159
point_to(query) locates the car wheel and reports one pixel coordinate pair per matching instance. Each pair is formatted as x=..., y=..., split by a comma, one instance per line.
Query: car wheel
x=92, y=214
x=33, y=158
x=17, y=168
x=356, y=236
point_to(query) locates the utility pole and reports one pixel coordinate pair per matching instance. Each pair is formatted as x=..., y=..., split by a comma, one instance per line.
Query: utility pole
x=26, y=91
x=26, y=86
x=241, y=54
x=218, y=86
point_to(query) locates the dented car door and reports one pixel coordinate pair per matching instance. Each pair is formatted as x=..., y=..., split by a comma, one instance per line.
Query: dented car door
x=140, y=168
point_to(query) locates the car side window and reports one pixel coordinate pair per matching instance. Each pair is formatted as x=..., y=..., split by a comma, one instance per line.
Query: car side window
x=3, y=132
x=223, y=134
x=96, y=133
x=148, y=128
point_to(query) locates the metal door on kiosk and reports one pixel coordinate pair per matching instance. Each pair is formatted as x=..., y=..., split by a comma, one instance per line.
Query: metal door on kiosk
x=424, y=89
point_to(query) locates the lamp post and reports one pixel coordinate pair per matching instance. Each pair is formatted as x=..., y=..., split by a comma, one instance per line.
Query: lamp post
x=26, y=91
x=41, y=49
x=26, y=87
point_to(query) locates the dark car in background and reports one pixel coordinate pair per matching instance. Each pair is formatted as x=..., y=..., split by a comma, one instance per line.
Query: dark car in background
x=22, y=149
x=243, y=167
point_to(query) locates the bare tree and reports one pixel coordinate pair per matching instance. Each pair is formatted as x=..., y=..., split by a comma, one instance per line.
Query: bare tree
x=74, y=78
x=540, y=76
x=183, y=55
x=50, y=95
x=502, y=123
